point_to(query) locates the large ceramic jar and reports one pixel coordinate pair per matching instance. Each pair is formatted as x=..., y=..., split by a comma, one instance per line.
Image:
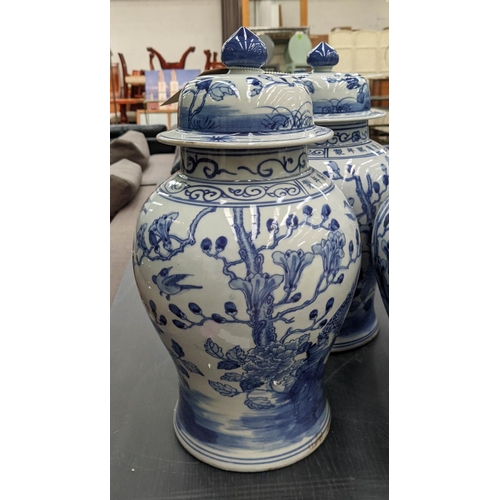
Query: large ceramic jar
x=357, y=165
x=246, y=261
x=380, y=251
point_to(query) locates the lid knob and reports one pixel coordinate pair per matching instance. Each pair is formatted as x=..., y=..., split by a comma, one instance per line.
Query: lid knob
x=244, y=49
x=322, y=56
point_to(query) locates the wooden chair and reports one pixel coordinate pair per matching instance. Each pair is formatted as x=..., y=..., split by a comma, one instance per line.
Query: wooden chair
x=130, y=90
x=296, y=52
x=168, y=65
x=212, y=63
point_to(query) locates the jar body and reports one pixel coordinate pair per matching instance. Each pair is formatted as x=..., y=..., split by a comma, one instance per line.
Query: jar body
x=247, y=281
x=358, y=166
x=380, y=251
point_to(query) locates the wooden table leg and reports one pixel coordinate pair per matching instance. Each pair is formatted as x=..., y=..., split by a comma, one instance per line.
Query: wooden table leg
x=123, y=113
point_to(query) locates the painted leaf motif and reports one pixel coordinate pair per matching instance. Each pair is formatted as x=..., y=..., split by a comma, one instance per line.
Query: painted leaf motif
x=249, y=384
x=177, y=349
x=259, y=403
x=191, y=367
x=232, y=377
x=213, y=349
x=227, y=364
x=224, y=389
x=300, y=344
x=183, y=370
x=236, y=354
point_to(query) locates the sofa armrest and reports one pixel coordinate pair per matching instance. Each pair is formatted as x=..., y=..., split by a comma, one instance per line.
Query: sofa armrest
x=149, y=131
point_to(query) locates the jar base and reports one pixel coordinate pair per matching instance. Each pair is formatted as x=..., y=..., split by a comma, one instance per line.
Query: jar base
x=281, y=457
x=358, y=342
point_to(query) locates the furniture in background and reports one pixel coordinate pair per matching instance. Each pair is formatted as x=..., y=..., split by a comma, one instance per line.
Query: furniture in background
x=245, y=12
x=123, y=102
x=114, y=90
x=366, y=52
x=157, y=116
x=379, y=96
x=138, y=163
x=211, y=61
x=296, y=52
x=114, y=81
x=132, y=88
x=280, y=38
x=168, y=65
x=149, y=131
x=361, y=51
x=121, y=107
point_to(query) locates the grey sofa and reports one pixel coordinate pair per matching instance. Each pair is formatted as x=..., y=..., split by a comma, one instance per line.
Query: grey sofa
x=135, y=173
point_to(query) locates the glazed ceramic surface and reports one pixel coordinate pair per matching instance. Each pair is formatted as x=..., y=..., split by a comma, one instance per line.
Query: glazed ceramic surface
x=247, y=261
x=380, y=251
x=357, y=165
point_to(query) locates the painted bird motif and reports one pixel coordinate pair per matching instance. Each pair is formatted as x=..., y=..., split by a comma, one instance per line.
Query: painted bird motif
x=169, y=283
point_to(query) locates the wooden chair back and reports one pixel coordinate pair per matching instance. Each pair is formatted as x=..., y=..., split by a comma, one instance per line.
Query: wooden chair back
x=168, y=65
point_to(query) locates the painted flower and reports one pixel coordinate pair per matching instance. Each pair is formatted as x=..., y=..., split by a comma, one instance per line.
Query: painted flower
x=270, y=363
x=257, y=288
x=293, y=262
x=159, y=231
x=219, y=89
x=331, y=250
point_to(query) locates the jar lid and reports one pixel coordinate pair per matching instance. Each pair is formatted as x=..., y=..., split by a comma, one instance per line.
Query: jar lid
x=337, y=97
x=246, y=107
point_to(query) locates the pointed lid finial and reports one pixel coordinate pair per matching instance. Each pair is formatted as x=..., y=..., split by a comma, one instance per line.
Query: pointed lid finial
x=244, y=49
x=323, y=57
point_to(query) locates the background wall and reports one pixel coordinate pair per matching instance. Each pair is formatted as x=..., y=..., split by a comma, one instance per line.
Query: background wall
x=171, y=26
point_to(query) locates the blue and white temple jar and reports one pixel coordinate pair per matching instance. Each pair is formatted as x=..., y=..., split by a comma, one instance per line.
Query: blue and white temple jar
x=357, y=165
x=380, y=251
x=247, y=261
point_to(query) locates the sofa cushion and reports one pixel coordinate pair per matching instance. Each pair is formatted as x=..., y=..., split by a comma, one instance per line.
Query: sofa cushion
x=124, y=182
x=159, y=169
x=133, y=146
x=149, y=130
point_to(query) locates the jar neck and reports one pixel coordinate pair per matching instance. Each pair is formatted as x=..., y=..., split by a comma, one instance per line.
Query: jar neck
x=243, y=164
x=349, y=134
